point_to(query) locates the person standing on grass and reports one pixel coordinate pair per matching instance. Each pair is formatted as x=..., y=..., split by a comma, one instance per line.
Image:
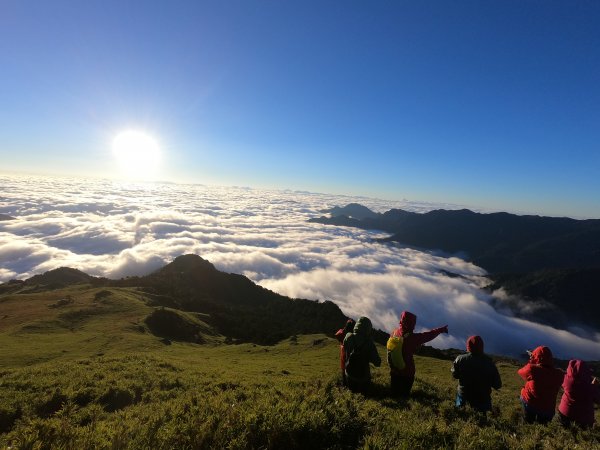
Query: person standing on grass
x=359, y=351
x=542, y=382
x=401, y=380
x=581, y=391
x=340, y=335
x=477, y=375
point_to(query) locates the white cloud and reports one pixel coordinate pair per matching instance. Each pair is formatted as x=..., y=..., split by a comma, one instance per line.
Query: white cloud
x=115, y=230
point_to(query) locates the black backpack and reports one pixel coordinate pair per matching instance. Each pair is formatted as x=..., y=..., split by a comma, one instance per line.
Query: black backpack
x=357, y=359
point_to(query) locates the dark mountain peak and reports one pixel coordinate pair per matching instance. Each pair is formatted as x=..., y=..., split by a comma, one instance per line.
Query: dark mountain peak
x=189, y=263
x=192, y=284
x=397, y=214
x=6, y=217
x=63, y=276
x=353, y=210
x=453, y=212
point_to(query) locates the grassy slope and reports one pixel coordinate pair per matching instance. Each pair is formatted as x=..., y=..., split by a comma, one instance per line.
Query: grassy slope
x=82, y=376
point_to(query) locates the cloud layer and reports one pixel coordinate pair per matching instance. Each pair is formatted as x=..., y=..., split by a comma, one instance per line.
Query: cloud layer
x=118, y=229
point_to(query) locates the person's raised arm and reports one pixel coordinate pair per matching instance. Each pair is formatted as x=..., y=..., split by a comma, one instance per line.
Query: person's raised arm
x=525, y=372
x=421, y=338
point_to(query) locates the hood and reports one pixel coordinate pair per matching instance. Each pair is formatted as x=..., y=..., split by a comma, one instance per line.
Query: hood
x=407, y=322
x=363, y=327
x=542, y=356
x=475, y=344
x=579, y=371
x=349, y=326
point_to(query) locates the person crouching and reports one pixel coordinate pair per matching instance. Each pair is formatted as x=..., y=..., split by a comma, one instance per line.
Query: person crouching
x=542, y=383
x=477, y=375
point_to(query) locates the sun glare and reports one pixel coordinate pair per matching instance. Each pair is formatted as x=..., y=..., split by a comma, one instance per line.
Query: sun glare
x=137, y=154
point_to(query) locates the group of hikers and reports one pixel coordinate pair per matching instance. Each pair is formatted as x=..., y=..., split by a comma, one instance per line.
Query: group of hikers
x=475, y=371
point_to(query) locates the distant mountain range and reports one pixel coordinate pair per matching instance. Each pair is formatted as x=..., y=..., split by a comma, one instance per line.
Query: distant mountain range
x=555, y=260
x=6, y=217
x=498, y=242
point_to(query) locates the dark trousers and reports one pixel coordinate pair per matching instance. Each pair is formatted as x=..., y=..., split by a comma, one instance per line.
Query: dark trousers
x=531, y=415
x=481, y=405
x=401, y=385
x=567, y=421
x=359, y=387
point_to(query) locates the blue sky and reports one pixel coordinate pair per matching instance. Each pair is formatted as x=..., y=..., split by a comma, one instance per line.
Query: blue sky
x=490, y=104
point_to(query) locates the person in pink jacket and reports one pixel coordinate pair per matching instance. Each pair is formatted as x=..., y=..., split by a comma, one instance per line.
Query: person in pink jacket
x=581, y=391
x=402, y=380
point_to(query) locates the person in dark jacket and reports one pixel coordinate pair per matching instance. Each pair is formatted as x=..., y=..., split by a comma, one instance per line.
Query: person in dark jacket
x=477, y=375
x=581, y=391
x=542, y=382
x=359, y=351
x=401, y=380
x=340, y=335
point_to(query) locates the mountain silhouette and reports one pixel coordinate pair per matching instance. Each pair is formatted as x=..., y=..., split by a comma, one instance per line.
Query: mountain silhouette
x=6, y=217
x=354, y=210
x=237, y=307
x=551, y=263
x=498, y=242
x=59, y=278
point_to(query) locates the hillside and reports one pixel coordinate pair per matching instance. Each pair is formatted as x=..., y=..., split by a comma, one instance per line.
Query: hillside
x=556, y=296
x=231, y=304
x=237, y=307
x=116, y=364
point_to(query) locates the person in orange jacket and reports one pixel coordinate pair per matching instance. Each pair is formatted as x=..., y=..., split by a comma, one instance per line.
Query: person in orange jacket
x=542, y=383
x=340, y=335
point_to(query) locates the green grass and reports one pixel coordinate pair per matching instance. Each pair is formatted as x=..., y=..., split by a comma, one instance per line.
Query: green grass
x=96, y=380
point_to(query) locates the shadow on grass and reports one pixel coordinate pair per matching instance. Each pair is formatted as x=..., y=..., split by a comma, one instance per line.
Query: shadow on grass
x=381, y=393
x=426, y=394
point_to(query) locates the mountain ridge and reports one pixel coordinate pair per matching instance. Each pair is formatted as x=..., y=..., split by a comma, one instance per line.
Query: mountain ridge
x=235, y=306
x=498, y=242
x=532, y=257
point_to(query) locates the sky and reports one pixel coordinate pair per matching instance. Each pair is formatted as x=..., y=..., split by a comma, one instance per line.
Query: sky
x=485, y=104
x=115, y=229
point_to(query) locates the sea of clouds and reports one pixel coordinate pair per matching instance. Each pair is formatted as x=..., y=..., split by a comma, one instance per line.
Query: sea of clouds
x=112, y=229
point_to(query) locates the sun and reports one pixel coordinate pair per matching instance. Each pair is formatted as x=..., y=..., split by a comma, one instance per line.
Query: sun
x=137, y=154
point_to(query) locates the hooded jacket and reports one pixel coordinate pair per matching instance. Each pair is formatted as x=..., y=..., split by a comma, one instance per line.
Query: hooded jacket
x=542, y=381
x=580, y=394
x=476, y=373
x=359, y=351
x=411, y=342
x=340, y=335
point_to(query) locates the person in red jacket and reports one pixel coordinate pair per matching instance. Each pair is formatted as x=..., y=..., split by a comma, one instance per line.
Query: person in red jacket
x=581, y=391
x=402, y=380
x=340, y=335
x=542, y=382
